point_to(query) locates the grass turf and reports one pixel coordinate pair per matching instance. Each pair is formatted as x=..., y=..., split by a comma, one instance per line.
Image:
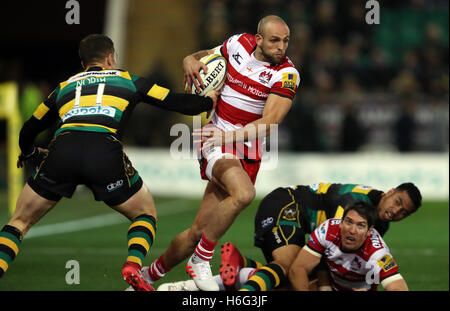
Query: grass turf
x=419, y=244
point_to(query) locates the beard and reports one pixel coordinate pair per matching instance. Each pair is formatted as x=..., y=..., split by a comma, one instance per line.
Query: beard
x=273, y=59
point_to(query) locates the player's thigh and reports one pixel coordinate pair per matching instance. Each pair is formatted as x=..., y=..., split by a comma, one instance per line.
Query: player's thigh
x=56, y=174
x=30, y=208
x=231, y=176
x=110, y=175
x=285, y=255
x=139, y=203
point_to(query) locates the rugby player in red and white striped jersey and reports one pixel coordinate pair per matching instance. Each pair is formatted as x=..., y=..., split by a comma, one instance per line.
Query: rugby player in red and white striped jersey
x=258, y=92
x=356, y=255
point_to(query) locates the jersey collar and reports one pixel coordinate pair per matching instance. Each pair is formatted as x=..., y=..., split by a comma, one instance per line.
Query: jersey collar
x=95, y=68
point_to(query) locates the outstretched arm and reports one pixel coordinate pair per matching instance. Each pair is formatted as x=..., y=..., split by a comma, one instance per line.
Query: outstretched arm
x=302, y=266
x=43, y=117
x=162, y=97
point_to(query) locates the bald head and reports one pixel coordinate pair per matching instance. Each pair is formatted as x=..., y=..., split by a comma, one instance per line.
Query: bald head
x=270, y=21
x=272, y=39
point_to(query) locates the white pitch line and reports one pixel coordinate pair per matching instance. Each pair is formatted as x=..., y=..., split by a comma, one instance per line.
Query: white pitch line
x=163, y=209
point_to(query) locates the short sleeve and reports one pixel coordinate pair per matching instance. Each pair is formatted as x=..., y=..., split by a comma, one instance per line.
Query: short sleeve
x=286, y=83
x=316, y=241
x=229, y=46
x=384, y=267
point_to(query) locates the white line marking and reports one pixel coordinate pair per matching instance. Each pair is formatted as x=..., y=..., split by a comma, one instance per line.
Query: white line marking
x=163, y=209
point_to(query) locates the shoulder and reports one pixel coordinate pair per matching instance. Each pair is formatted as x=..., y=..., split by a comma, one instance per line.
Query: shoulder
x=334, y=228
x=374, y=245
x=329, y=229
x=286, y=65
x=286, y=73
x=380, y=257
x=244, y=40
x=130, y=75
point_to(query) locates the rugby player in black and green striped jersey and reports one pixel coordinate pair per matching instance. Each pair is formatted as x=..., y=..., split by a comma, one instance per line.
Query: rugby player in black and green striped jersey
x=91, y=109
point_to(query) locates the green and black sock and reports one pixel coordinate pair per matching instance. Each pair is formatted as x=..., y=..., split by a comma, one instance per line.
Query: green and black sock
x=10, y=240
x=141, y=235
x=266, y=278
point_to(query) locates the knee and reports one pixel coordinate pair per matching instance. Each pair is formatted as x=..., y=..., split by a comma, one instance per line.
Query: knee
x=244, y=196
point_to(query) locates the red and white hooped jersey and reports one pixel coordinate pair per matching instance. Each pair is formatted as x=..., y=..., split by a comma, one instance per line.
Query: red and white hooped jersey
x=248, y=83
x=364, y=268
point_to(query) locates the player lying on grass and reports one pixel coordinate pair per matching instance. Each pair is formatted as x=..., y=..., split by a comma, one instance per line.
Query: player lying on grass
x=286, y=215
x=91, y=109
x=354, y=253
x=356, y=256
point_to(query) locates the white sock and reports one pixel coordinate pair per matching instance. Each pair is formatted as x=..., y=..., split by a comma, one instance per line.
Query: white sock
x=243, y=277
x=196, y=259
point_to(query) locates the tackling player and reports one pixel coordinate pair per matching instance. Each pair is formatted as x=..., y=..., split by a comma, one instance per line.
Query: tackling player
x=91, y=108
x=260, y=85
x=354, y=252
x=286, y=215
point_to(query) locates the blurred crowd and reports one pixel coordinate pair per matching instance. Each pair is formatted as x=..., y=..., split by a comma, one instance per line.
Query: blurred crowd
x=379, y=86
x=400, y=66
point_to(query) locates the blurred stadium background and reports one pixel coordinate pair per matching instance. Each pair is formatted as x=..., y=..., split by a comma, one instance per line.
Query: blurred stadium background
x=372, y=108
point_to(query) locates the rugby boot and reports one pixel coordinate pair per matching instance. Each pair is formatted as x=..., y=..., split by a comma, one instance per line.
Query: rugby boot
x=201, y=274
x=132, y=274
x=144, y=271
x=231, y=263
x=180, y=286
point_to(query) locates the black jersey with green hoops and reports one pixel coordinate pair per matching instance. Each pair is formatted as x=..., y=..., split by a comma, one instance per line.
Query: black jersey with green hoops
x=322, y=201
x=101, y=100
x=306, y=207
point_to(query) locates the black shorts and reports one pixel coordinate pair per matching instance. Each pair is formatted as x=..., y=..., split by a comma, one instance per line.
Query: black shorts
x=277, y=222
x=93, y=159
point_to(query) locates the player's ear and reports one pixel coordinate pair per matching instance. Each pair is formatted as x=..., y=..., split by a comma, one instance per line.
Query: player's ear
x=258, y=39
x=110, y=60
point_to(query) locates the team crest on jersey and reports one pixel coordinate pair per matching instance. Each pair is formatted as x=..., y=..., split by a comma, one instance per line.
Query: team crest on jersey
x=290, y=214
x=289, y=81
x=387, y=263
x=264, y=77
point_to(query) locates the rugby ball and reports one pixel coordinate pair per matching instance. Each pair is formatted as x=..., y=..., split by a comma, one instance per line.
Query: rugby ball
x=216, y=75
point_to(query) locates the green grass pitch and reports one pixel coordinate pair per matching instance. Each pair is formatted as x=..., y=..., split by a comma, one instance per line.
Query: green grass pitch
x=420, y=245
